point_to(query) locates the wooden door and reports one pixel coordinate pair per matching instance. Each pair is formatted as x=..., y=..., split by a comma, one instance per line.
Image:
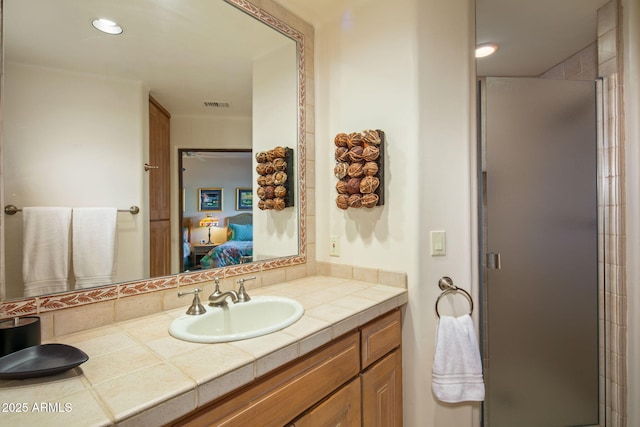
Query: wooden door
x=159, y=190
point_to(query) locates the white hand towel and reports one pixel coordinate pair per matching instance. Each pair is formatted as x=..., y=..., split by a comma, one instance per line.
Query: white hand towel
x=94, y=246
x=45, y=265
x=457, y=368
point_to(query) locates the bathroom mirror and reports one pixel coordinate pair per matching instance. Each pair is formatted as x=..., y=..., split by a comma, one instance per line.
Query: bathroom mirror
x=75, y=108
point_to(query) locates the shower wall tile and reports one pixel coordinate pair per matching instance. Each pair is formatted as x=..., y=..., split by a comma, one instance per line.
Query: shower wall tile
x=615, y=301
x=607, y=18
x=582, y=65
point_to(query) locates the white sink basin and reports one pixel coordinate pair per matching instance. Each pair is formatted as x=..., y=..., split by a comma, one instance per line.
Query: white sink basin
x=259, y=316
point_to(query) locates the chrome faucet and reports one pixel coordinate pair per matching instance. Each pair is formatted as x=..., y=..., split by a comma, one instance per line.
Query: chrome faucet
x=243, y=296
x=221, y=300
x=218, y=298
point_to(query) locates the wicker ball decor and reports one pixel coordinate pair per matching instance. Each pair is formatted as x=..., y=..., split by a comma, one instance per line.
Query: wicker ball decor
x=371, y=137
x=279, y=178
x=369, y=184
x=269, y=192
x=353, y=185
x=275, y=166
x=355, y=201
x=268, y=168
x=261, y=157
x=279, y=164
x=370, y=200
x=280, y=191
x=370, y=153
x=262, y=194
x=341, y=187
x=355, y=170
x=355, y=153
x=342, y=154
x=341, y=140
x=342, y=201
x=370, y=169
x=278, y=204
x=359, y=169
x=340, y=169
x=355, y=139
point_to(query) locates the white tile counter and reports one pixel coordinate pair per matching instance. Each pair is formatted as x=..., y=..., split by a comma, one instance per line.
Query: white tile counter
x=137, y=374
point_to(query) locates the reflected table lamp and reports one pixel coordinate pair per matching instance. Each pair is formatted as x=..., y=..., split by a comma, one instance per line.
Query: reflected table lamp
x=209, y=222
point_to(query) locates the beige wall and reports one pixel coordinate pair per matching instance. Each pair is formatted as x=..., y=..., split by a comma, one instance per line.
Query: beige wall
x=275, y=106
x=374, y=74
x=59, y=152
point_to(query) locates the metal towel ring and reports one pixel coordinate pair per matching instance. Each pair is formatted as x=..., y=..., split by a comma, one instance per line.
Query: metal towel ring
x=446, y=284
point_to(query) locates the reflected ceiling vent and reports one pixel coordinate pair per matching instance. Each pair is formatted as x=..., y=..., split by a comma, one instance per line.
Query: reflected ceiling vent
x=217, y=104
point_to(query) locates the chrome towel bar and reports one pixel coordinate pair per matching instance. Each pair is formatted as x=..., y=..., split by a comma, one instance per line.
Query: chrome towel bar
x=12, y=210
x=447, y=286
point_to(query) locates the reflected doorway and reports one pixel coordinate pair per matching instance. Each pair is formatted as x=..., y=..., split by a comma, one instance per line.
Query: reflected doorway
x=212, y=173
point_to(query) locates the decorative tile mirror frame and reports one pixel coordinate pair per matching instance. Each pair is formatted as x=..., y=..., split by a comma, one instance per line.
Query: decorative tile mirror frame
x=281, y=20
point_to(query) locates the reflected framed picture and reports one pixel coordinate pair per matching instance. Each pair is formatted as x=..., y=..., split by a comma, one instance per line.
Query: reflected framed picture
x=209, y=199
x=244, y=199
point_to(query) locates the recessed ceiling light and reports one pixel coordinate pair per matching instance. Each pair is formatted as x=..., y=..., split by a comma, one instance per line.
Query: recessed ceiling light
x=485, y=50
x=106, y=26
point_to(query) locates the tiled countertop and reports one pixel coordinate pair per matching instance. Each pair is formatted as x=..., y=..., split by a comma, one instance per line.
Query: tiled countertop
x=137, y=374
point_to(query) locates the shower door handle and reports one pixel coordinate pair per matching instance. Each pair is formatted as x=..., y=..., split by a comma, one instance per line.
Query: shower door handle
x=493, y=261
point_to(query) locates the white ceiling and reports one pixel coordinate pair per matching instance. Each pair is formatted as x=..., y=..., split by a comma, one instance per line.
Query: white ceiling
x=534, y=35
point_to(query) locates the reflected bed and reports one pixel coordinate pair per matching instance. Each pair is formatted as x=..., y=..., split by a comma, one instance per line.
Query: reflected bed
x=238, y=248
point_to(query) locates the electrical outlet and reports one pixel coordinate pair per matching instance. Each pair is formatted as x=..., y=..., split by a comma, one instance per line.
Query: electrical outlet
x=334, y=246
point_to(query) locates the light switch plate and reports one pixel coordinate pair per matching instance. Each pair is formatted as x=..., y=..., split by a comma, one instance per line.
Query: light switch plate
x=438, y=243
x=334, y=246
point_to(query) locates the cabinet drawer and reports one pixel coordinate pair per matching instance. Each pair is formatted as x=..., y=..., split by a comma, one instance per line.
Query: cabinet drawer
x=280, y=397
x=342, y=409
x=380, y=336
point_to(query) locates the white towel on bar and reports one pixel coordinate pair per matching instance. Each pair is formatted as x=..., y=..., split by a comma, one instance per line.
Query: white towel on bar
x=457, y=368
x=94, y=246
x=45, y=262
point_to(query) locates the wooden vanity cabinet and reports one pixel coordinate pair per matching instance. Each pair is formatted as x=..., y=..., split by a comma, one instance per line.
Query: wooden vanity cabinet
x=355, y=380
x=377, y=392
x=281, y=396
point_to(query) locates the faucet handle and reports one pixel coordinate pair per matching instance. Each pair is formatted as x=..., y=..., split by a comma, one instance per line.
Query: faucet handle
x=196, y=307
x=243, y=296
x=216, y=291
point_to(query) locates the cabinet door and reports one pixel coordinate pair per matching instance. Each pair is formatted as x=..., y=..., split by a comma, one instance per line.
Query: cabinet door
x=341, y=409
x=382, y=392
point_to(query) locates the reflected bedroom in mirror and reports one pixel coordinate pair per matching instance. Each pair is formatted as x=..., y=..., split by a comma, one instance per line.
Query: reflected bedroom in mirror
x=216, y=233
x=162, y=113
